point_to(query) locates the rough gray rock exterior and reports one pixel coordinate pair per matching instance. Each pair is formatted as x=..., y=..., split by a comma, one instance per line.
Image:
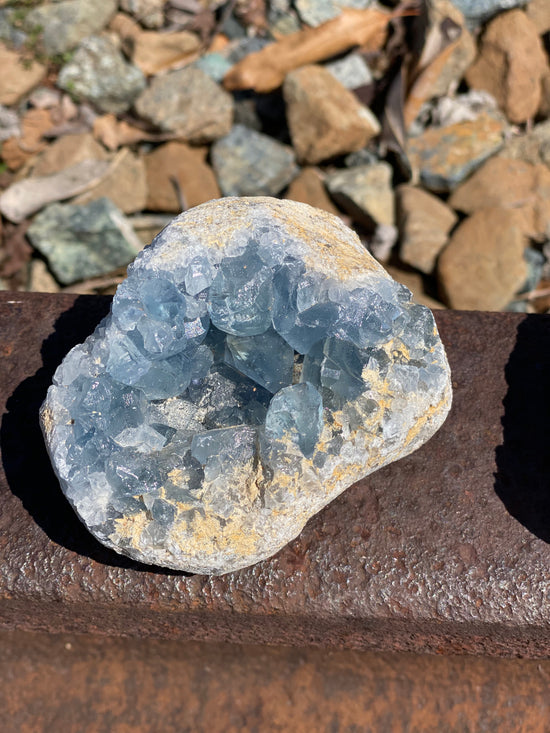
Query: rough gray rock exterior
x=64, y=24
x=256, y=362
x=189, y=102
x=99, y=73
x=248, y=163
x=84, y=241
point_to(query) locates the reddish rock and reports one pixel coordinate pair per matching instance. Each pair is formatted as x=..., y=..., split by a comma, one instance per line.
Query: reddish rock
x=424, y=223
x=510, y=65
x=16, y=151
x=483, y=267
x=308, y=188
x=188, y=167
x=509, y=184
x=325, y=118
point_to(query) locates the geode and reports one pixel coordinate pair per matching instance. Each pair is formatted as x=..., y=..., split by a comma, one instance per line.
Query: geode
x=255, y=363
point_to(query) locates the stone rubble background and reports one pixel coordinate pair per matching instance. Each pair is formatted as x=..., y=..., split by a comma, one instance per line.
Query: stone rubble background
x=425, y=127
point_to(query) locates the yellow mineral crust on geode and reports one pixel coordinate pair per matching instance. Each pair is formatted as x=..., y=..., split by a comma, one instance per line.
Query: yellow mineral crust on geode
x=256, y=362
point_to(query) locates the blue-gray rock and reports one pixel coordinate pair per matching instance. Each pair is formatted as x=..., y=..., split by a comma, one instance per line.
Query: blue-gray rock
x=98, y=73
x=351, y=71
x=248, y=163
x=478, y=11
x=15, y=37
x=365, y=192
x=189, y=102
x=80, y=242
x=64, y=24
x=316, y=12
x=255, y=363
x=215, y=65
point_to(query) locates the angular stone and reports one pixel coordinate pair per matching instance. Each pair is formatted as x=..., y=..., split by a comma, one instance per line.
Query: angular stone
x=483, y=266
x=187, y=102
x=365, y=192
x=125, y=184
x=510, y=65
x=509, y=184
x=68, y=150
x=316, y=12
x=351, y=71
x=19, y=75
x=188, y=167
x=249, y=163
x=80, y=242
x=450, y=73
x=64, y=24
x=308, y=188
x=532, y=147
x=149, y=13
x=445, y=156
x=538, y=11
x=424, y=224
x=325, y=118
x=155, y=52
x=478, y=11
x=99, y=73
x=256, y=362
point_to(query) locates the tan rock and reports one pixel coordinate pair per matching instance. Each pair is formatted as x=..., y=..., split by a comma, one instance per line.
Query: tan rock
x=539, y=12
x=509, y=184
x=510, y=65
x=16, y=151
x=125, y=183
x=154, y=52
x=415, y=283
x=365, y=192
x=325, y=118
x=544, y=106
x=482, y=267
x=188, y=167
x=67, y=150
x=424, y=223
x=308, y=188
x=19, y=75
x=40, y=278
x=532, y=147
x=463, y=53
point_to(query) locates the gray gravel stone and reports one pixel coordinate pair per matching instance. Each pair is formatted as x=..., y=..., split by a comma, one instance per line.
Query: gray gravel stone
x=316, y=12
x=64, y=24
x=248, y=163
x=365, y=192
x=99, y=74
x=478, y=11
x=80, y=242
x=189, y=102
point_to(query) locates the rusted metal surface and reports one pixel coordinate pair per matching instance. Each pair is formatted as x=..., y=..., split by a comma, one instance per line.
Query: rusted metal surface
x=85, y=684
x=445, y=551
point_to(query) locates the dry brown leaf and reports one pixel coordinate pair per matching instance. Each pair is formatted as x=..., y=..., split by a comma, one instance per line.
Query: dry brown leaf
x=265, y=70
x=115, y=133
x=440, y=44
x=16, y=151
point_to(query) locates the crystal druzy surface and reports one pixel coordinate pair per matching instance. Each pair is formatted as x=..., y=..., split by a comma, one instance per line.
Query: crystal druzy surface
x=256, y=362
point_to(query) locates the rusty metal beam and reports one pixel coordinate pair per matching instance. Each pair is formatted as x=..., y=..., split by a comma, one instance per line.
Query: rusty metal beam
x=86, y=684
x=445, y=551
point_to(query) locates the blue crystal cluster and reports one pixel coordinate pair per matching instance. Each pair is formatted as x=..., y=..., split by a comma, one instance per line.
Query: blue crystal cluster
x=219, y=372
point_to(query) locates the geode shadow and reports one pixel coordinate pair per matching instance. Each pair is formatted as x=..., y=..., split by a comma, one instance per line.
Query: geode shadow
x=522, y=479
x=25, y=460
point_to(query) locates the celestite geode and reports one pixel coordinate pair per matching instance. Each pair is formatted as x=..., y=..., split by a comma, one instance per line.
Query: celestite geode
x=256, y=362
